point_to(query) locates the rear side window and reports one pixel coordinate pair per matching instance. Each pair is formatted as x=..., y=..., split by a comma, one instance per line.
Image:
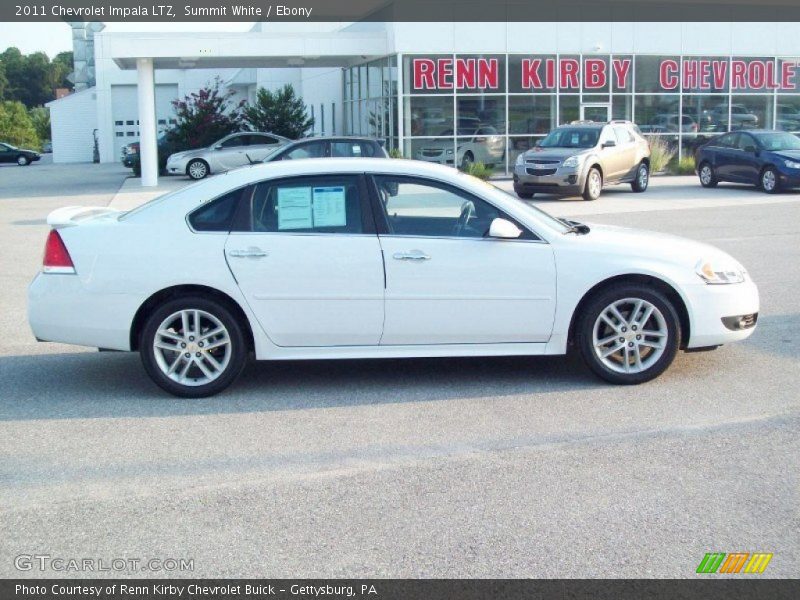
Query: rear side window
x=218, y=214
x=330, y=204
x=623, y=135
x=310, y=150
x=348, y=150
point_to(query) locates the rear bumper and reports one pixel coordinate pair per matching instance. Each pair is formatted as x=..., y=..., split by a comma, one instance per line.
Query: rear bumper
x=61, y=309
x=714, y=308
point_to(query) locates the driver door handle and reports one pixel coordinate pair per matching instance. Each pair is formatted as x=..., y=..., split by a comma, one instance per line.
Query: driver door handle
x=251, y=252
x=416, y=255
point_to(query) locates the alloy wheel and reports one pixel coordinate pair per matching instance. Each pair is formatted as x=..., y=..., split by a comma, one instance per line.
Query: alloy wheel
x=192, y=347
x=197, y=170
x=768, y=180
x=595, y=184
x=630, y=335
x=705, y=175
x=644, y=176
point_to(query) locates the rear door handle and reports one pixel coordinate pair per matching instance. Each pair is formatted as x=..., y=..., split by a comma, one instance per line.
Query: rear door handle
x=251, y=252
x=411, y=255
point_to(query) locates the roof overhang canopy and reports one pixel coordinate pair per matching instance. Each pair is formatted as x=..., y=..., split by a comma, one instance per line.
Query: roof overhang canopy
x=240, y=50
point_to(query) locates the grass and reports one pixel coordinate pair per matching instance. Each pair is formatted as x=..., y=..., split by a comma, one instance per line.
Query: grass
x=684, y=166
x=479, y=170
x=660, y=154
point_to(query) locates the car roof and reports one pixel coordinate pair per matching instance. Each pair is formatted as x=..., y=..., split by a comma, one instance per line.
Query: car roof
x=336, y=138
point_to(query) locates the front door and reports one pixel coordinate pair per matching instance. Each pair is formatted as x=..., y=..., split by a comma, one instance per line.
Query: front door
x=309, y=263
x=596, y=112
x=446, y=282
x=230, y=154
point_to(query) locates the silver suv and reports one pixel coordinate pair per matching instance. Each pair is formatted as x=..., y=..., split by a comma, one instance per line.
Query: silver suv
x=582, y=157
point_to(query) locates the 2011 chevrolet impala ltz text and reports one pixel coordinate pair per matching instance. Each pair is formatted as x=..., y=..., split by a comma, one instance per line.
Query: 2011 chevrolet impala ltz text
x=370, y=258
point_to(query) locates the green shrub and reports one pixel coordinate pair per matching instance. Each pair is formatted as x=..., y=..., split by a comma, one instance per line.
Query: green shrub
x=684, y=166
x=395, y=153
x=660, y=154
x=479, y=170
x=16, y=127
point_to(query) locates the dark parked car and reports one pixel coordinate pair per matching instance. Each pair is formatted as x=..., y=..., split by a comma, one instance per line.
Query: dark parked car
x=21, y=156
x=132, y=159
x=766, y=158
x=334, y=146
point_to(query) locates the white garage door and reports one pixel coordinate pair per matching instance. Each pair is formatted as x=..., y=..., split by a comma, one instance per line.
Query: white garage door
x=124, y=107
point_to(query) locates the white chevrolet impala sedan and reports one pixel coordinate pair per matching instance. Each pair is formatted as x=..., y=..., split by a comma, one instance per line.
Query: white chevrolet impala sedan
x=374, y=258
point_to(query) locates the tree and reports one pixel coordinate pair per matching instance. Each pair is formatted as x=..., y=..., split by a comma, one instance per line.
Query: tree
x=16, y=127
x=33, y=78
x=280, y=112
x=40, y=118
x=3, y=81
x=204, y=117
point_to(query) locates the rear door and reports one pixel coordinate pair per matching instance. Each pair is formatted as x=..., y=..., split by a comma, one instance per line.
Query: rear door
x=746, y=164
x=627, y=151
x=307, y=259
x=724, y=149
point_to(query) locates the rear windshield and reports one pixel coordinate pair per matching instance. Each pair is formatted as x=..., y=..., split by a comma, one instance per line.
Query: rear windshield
x=571, y=137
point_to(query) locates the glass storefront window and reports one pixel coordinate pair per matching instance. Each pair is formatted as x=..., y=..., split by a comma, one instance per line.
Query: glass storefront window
x=705, y=74
x=531, y=114
x=787, y=113
x=655, y=74
x=657, y=113
x=518, y=145
x=709, y=112
x=439, y=150
x=569, y=109
x=428, y=115
x=749, y=112
x=621, y=75
x=753, y=74
x=569, y=73
x=475, y=111
x=622, y=107
x=596, y=74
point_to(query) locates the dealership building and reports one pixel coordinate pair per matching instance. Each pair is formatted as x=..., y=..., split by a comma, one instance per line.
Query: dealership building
x=448, y=92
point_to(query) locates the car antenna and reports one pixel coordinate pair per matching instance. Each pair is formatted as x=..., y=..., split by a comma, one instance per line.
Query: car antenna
x=252, y=162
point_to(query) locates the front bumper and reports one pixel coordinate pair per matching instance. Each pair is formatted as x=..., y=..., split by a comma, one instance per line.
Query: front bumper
x=177, y=166
x=565, y=181
x=789, y=178
x=441, y=159
x=713, y=309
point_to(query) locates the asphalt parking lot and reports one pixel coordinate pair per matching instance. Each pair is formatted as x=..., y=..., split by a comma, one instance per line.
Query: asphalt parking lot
x=489, y=467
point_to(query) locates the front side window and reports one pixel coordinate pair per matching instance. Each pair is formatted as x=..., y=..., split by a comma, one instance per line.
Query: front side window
x=420, y=207
x=329, y=204
x=310, y=150
x=218, y=214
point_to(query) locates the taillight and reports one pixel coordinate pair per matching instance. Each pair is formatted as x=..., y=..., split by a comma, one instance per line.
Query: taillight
x=56, y=256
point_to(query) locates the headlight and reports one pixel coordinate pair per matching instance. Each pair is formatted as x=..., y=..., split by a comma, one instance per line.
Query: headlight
x=521, y=159
x=792, y=164
x=449, y=151
x=572, y=161
x=718, y=273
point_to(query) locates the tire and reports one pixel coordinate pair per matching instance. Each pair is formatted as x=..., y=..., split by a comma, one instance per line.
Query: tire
x=467, y=160
x=768, y=181
x=197, y=169
x=593, y=185
x=656, y=351
x=190, y=378
x=642, y=179
x=23, y=161
x=708, y=178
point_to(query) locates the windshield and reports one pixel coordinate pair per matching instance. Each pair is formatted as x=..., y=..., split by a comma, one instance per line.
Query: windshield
x=779, y=141
x=571, y=137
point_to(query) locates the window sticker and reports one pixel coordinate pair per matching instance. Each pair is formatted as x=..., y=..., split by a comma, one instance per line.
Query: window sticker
x=294, y=208
x=356, y=149
x=576, y=138
x=329, y=207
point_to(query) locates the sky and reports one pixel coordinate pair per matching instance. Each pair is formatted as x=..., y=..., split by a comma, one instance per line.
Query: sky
x=52, y=38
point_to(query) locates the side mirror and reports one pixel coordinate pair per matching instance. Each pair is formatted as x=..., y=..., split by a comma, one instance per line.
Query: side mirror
x=504, y=230
x=609, y=144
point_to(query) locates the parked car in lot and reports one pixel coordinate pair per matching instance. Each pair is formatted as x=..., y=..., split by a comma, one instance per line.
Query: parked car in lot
x=762, y=157
x=669, y=121
x=232, y=151
x=21, y=156
x=741, y=117
x=329, y=147
x=375, y=258
x=482, y=144
x=580, y=158
x=47, y=147
x=132, y=159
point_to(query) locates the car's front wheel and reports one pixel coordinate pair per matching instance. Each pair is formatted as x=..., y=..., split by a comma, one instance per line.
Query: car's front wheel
x=628, y=334
x=707, y=177
x=769, y=180
x=642, y=180
x=23, y=160
x=197, y=169
x=192, y=347
x=594, y=184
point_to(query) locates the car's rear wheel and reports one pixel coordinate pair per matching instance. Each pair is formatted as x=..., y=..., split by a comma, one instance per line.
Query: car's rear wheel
x=628, y=334
x=192, y=347
x=769, y=180
x=642, y=179
x=23, y=160
x=707, y=176
x=197, y=169
x=467, y=160
x=594, y=184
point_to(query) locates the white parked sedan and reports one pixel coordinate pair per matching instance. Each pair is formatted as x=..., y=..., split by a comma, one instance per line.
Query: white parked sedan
x=372, y=258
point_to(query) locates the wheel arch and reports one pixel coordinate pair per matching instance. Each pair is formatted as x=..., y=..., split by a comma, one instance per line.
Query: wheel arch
x=195, y=159
x=177, y=291
x=648, y=280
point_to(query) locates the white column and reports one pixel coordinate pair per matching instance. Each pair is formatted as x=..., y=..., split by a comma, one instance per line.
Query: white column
x=148, y=146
